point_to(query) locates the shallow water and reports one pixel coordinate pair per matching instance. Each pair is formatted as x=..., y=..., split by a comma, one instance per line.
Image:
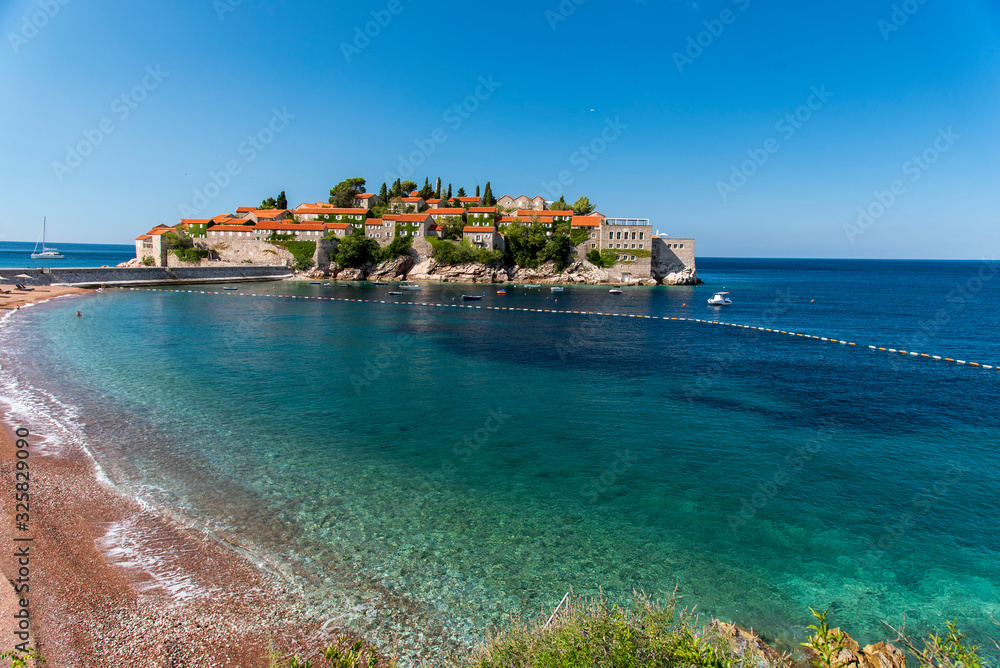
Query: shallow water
x=450, y=465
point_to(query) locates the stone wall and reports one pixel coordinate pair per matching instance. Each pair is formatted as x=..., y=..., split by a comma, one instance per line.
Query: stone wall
x=673, y=261
x=121, y=276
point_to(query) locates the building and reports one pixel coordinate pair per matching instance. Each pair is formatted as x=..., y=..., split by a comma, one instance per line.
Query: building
x=329, y=214
x=483, y=237
x=481, y=215
x=380, y=230
x=366, y=201
x=150, y=245
x=412, y=224
x=468, y=201
x=407, y=204
x=509, y=203
x=445, y=215
x=268, y=215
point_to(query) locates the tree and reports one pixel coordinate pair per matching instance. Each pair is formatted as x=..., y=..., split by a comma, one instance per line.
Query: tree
x=269, y=203
x=477, y=190
x=437, y=190
x=397, y=189
x=582, y=206
x=427, y=192
x=282, y=201
x=560, y=205
x=357, y=250
x=488, y=199
x=408, y=187
x=461, y=192
x=342, y=195
x=452, y=229
x=383, y=194
x=448, y=198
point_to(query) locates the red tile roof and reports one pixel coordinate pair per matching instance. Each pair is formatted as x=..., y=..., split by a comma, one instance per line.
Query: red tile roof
x=245, y=209
x=414, y=193
x=446, y=212
x=434, y=200
x=528, y=213
x=141, y=237
x=471, y=228
x=331, y=210
x=373, y=221
x=586, y=221
x=467, y=199
x=335, y=226
x=196, y=221
x=434, y=228
x=364, y=196
x=233, y=228
x=482, y=209
x=411, y=199
x=412, y=217
x=157, y=231
x=315, y=227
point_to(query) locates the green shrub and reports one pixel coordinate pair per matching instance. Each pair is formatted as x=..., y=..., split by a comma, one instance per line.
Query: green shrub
x=148, y=261
x=303, y=252
x=463, y=252
x=191, y=254
x=595, y=634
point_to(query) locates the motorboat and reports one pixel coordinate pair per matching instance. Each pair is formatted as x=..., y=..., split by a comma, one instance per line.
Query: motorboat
x=230, y=288
x=533, y=285
x=557, y=289
x=471, y=297
x=395, y=292
x=407, y=285
x=314, y=283
x=501, y=292
x=615, y=291
x=46, y=253
x=720, y=299
x=381, y=283
x=343, y=285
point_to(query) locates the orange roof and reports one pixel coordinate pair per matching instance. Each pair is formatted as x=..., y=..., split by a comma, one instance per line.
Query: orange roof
x=482, y=209
x=329, y=210
x=411, y=199
x=245, y=209
x=528, y=213
x=414, y=193
x=364, y=196
x=335, y=226
x=390, y=216
x=433, y=228
x=156, y=231
x=434, y=200
x=233, y=228
x=318, y=227
x=196, y=221
x=373, y=221
x=141, y=237
x=478, y=229
x=586, y=221
x=446, y=212
x=507, y=219
x=412, y=217
x=467, y=199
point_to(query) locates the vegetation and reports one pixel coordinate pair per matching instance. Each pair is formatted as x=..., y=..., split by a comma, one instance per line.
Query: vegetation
x=595, y=634
x=427, y=192
x=181, y=245
x=357, y=250
x=20, y=659
x=532, y=244
x=357, y=656
x=582, y=206
x=488, y=198
x=303, y=252
x=463, y=252
x=342, y=195
x=279, y=202
x=148, y=261
x=560, y=205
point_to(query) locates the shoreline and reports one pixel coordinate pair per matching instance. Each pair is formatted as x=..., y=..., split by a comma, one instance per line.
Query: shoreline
x=116, y=583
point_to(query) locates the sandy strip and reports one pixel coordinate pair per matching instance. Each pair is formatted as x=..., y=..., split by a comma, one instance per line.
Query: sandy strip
x=112, y=584
x=17, y=298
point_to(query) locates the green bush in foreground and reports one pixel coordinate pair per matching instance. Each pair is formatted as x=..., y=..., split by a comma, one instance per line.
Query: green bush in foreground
x=594, y=634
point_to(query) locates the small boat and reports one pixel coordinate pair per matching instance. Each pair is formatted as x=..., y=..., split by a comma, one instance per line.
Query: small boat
x=46, y=253
x=615, y=291
x=720, y=299
x=395, y=293
x=326, y=285
x=381, y=283
x=406, y=285
x=343, y=285
x=470, y=297
x=557, y=289
x=314, y=282
x=501, y=292
x=230, y=288
x=533, y=285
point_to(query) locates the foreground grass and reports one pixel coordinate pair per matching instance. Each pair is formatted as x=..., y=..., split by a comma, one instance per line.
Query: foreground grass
x=590, y=633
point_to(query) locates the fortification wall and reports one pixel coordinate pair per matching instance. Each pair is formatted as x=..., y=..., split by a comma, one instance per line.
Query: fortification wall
x=118, y=276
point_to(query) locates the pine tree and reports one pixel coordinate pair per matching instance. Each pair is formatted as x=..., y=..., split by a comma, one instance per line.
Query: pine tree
x=488, y=199
x=383, y=194
x=282, y=201
x=397, y=188
x=477, y=190
x=461, y=192
x=449, y=192
x=426, y=192
x=437, y=191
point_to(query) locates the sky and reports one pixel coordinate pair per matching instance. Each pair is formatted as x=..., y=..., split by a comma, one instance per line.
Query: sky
x=851, y=129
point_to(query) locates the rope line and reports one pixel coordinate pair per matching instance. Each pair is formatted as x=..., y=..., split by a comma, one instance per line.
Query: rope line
x=893, y=351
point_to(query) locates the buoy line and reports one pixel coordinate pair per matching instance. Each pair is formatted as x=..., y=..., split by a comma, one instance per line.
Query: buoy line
x=824, y=339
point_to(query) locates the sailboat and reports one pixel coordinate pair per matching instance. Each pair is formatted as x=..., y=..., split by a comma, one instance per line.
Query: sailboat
x=47, y=253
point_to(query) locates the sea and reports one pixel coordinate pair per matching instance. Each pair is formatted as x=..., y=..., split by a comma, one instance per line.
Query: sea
x=422, y=470
x=17, y=255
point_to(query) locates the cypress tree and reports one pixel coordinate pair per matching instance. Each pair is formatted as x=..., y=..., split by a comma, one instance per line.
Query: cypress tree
x=488, y=199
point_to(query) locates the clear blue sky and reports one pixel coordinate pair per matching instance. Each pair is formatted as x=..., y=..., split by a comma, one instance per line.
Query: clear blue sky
x=224, y=67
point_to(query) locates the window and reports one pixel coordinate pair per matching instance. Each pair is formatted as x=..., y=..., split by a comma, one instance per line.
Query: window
x=338, y=216
x=633, y=235
x=479, y=237
x=640, y=245
x=640, y=236
x=593, y=245
x=593, y=235
x=682, y=245
x=619, y=235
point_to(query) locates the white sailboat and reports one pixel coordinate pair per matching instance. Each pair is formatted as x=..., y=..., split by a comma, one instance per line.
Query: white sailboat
x=47, y=253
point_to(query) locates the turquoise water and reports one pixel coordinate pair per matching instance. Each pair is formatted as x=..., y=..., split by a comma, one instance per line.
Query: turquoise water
x=17, y=254
x=449, y=465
